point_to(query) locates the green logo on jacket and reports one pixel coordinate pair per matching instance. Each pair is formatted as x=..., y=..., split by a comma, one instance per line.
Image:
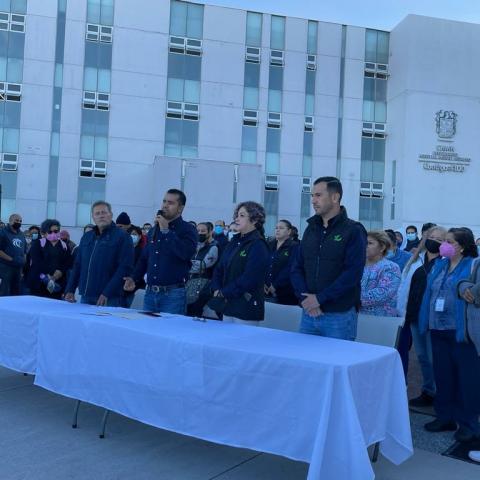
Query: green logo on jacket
x=337, y=238
x=243, y=253
x=285, y=253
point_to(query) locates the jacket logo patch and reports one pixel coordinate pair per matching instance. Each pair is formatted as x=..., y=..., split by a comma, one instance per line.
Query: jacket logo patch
x=337, y=238
x=285, y=254
x=243, y=253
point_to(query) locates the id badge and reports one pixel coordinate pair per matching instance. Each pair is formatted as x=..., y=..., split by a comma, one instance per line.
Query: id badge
x=440, y=304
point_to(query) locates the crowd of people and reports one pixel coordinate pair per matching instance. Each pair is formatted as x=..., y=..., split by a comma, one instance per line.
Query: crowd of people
x=227, y=272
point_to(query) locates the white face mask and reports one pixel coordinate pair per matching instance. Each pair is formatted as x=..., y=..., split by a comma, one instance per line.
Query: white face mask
x=231, y=235
x=135, y=239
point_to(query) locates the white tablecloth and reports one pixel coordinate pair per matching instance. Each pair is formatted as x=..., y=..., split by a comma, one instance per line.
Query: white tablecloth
x=308, y=398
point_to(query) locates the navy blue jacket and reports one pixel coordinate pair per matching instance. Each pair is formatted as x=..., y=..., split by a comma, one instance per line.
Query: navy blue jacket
x=13, y=244
x=255, y=268
x=166, y=259
x=101, y=263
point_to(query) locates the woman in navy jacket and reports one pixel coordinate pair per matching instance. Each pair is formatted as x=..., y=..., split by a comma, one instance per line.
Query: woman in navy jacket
x=456, y=365
x=238, y=278
x=282, y=251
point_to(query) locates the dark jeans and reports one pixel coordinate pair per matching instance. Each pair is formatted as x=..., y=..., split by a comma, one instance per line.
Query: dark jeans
x=111, y=302
x=403, y=347
x=126, y=299
x=456, y=367
x=9, y=280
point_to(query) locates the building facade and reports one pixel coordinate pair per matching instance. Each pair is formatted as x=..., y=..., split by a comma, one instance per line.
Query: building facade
x=124, y=99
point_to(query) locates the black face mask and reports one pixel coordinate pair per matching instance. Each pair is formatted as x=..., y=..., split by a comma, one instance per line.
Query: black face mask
x=432, y=246
x=202, y=237
x=16, y=225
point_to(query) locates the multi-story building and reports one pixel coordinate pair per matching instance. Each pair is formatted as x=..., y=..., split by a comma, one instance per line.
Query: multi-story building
x=124, y=99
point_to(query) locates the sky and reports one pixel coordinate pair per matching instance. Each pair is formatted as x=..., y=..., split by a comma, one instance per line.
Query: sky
x=378, y=14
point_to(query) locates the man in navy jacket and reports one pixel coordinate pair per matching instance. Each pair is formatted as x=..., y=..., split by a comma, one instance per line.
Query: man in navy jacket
x=103, y=258
x=166, y=259
x=327, y=272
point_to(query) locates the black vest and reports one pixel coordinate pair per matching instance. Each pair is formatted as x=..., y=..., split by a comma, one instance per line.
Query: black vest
x=200, y=255
x=250, y=305
x=281, y=260
x=324, y=258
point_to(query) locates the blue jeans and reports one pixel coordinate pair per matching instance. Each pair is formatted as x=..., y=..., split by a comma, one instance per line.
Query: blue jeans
x=423, y=348
x=341, y=325
x=169, y=301
x=111, y=302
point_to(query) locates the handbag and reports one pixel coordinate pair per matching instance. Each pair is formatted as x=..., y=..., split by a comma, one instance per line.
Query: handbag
x=194, y=287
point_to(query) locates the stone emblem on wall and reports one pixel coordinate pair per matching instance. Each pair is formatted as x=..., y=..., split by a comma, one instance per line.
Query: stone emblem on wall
x=446, y=121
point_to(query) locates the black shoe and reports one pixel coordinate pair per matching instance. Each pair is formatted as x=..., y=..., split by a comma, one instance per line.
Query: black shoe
x=464, y=435
x=424, y=400
x=440, y=426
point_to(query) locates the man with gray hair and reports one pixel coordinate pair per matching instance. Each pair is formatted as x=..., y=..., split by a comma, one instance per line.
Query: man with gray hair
x=12, y=256
x=104, y=257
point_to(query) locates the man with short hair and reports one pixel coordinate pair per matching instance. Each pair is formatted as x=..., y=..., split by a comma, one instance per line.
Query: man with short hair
x=146, y=228
x=327, y=271
x=12, y=256
x=220, y=236
x=166, y=258
x=412, y=238
x=103, y=258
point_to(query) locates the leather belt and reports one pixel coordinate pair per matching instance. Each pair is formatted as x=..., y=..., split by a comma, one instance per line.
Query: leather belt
x=164, y=288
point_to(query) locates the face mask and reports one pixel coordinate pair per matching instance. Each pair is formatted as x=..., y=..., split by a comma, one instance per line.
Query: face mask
x=218, y=229
x=432, y=246
x=135, y=239
x=411, y=236
x=447, y=250
x=34, y=236
x=202, y=237
x=390, y=254
x=17, y=225
x=28, y=240
x=52, y=237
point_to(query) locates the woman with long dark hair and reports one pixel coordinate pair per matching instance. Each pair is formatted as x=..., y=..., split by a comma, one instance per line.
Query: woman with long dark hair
x=238, y=279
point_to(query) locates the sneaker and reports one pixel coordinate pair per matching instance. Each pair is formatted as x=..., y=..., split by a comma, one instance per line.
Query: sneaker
x=464, y=435
x=424, y=400
x=474, y=455
x=438, y=425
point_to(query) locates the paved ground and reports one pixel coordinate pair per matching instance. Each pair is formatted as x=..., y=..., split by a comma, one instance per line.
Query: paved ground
x=38, y=443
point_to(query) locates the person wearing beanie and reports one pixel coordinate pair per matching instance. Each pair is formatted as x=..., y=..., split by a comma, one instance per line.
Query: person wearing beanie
x=123, y=221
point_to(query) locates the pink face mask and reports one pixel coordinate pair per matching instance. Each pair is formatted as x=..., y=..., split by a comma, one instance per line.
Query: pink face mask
x=447, y=250
x=53, y=237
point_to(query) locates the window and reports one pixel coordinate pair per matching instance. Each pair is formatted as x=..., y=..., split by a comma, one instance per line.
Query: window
x=250, y=118
x=254, y=29
x=9, y=161
x=187, y=111
x=250, y=98
x=307, y=165
x=276, y=58
x=371, y=213
x=249, y=139
x=376, y=46
x=312, y=33
x=10, y=92
x=186, y=19
x=180, y=90
x=93, y=168
x=99, y=33
x=272, y=163
x=181, y=138
x=277, y=33
x=100, y=12
x=274, y=120
x=96, y=79
x=12, y=21
x=275, y=101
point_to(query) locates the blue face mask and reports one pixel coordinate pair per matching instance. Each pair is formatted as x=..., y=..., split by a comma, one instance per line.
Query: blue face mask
x=34, y=236
x=411, y=236
x=218, y=229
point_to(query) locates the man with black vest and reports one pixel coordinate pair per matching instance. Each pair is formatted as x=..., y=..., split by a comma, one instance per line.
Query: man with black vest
x=166, y=259
x=328, y=268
